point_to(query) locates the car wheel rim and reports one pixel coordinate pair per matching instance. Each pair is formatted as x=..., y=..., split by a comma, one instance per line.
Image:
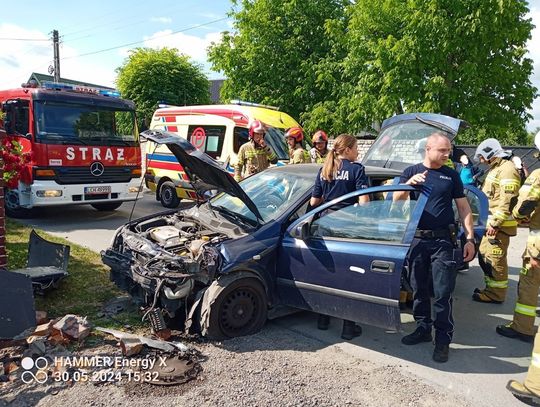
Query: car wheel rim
x=12, y=200
x=239, y=312
x=167, y=196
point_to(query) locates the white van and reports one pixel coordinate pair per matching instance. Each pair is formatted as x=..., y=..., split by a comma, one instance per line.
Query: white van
x=218, y=130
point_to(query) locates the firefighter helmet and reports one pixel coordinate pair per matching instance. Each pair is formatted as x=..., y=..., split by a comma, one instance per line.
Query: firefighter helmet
x=420, y=146
x=296, y=133
x=256, y=126
x=488, y=149
x=537, y=140
x=320, y=137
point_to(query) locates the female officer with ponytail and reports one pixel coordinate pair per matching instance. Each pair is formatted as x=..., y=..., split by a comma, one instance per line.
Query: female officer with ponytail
x=340, y=175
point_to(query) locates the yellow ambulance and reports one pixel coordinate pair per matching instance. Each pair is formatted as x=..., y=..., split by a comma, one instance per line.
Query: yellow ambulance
x=218, y=130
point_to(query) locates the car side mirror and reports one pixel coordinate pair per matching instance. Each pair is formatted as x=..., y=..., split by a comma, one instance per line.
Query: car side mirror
x=301, y=231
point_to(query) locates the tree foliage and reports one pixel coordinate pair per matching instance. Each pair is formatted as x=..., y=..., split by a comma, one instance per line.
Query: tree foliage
x=272, y=55
x=149, y=76
x=344, y=66
x=461, y=58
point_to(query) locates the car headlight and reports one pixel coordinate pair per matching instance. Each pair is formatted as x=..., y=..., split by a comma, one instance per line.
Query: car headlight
x=111, y=243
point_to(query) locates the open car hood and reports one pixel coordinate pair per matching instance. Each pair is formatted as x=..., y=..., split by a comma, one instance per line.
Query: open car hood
x=447, y=123
x=204, y=172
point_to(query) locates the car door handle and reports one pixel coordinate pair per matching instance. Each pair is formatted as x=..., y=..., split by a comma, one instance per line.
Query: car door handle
x=380, y=266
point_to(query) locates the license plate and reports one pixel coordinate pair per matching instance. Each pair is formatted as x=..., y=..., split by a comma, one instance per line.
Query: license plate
x=97, y=190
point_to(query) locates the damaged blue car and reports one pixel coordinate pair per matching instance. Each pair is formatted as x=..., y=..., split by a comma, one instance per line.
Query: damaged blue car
x=225, y=265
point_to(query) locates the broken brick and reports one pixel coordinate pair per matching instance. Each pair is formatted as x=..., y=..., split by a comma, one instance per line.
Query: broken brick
x=43, y=329
x=130, y=346
x=163, y=334
x=73, y=326
x=41, y=317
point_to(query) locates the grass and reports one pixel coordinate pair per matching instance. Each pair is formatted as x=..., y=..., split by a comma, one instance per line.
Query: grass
x=83, y=292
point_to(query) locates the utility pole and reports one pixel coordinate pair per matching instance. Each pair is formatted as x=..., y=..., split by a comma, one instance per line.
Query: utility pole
x=56, y=48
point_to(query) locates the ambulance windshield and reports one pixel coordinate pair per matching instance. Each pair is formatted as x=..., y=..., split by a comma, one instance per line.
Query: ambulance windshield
x=63, y=123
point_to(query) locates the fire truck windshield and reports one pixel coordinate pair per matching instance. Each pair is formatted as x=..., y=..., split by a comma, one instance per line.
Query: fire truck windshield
x=63, y=123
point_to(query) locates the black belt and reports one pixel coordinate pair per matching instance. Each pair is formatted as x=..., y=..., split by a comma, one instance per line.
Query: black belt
x=432, y=234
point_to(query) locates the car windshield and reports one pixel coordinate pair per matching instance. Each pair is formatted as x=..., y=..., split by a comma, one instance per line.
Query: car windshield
x=272, y=191
x=63, y=123
x=400, y=145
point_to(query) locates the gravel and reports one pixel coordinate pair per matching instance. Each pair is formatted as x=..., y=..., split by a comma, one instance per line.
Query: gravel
x=275, y=367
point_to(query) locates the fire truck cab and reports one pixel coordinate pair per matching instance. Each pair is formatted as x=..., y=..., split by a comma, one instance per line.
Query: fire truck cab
x=83, y=144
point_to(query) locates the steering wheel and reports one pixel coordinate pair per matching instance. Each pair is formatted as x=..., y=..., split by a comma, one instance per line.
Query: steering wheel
x=269, y=203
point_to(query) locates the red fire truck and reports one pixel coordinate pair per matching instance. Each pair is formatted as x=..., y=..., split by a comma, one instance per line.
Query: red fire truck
x=83, y=144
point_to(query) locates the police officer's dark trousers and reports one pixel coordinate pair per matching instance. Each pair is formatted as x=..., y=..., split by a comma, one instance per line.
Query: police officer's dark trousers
x=433, y=273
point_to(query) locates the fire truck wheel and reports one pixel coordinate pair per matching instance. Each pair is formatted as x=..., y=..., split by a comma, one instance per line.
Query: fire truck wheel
x=12, y=207
x=168, y=196
x=107, y=206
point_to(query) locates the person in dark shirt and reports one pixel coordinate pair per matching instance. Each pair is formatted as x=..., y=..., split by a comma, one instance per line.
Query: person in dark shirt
x=433, y=250
x=339, y=176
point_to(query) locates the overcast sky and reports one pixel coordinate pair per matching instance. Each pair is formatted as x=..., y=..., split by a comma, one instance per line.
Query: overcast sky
x=97, y=35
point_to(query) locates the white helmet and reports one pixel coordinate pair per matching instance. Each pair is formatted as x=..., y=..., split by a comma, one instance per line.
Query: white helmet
x=537, y=140
x=420, y=146
x=490, y=148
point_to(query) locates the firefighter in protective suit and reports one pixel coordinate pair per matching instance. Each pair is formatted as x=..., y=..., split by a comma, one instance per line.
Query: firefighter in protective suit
x=297, y=154
x=320, y=147
x=501, y=187
x=254, y=156
x=527, y=210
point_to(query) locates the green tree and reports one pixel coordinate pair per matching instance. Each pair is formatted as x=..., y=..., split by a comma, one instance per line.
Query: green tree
x=273, y=55
x=461, y=58
x=149, y=76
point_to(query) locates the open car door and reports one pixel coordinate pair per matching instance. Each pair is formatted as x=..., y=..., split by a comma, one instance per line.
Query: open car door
x=347, y=263
x=479, y=204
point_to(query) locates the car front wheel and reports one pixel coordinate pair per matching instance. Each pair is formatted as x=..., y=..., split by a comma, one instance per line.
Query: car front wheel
x=239, y=309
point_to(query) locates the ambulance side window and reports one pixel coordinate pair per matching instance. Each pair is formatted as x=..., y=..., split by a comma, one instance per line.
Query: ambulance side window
x=207, y=138
x=240, y=137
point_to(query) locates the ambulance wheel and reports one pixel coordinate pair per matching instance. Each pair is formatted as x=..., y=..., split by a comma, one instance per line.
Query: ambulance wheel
x=168, y=196
x=106, y=206
x=12, y=206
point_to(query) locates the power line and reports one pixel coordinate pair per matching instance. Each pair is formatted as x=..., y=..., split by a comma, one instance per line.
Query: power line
x=138, y=42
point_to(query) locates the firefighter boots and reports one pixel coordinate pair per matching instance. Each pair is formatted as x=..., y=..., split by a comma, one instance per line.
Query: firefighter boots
x=523, y=394
x=509, y=332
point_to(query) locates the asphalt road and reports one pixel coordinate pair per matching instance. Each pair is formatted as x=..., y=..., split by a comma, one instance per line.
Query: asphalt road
x=88, y=227
x=481, y=362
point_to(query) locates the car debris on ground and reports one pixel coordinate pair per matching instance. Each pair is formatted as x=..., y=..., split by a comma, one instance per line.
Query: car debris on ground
x=54, y=354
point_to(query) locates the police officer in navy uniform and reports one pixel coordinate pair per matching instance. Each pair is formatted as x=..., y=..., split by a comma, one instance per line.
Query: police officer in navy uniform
x=432, y=257
x=339, y=176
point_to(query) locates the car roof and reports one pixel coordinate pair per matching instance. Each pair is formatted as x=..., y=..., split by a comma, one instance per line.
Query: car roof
x=311, y=170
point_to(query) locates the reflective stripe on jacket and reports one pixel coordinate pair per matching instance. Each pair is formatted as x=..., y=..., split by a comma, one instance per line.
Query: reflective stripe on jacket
x=502, y=188
x=253, y=159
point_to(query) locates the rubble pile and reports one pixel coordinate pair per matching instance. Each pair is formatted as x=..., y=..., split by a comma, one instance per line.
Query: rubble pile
x=42, y=357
